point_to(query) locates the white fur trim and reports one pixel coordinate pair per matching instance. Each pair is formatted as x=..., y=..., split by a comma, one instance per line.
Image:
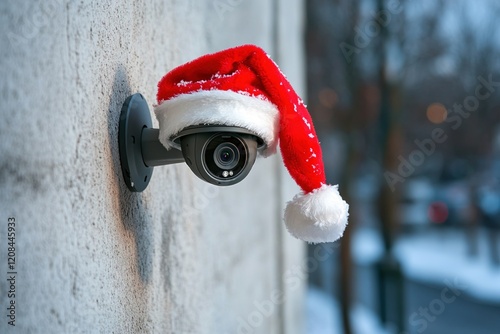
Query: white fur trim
x=219, y=107
x=319, y=216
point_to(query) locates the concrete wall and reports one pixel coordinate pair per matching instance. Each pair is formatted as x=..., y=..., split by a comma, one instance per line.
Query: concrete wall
x=181, y=257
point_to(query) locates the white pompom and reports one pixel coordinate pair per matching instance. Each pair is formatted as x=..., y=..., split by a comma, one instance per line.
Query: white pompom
x=319, y=216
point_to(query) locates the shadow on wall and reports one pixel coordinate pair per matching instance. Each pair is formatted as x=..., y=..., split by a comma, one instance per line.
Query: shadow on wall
x=133, y=206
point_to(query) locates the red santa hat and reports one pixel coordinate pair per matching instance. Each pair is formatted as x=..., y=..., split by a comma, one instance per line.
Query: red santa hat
x=243, y=87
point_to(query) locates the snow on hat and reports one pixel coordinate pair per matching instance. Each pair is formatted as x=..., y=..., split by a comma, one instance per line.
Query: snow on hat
x=243, y=87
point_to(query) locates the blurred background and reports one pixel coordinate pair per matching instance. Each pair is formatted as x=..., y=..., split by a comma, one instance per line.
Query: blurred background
x=405, y=96
x=405, y=99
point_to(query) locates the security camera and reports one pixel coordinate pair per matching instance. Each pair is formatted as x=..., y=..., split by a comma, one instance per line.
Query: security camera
x=218, y=154
x=215, y=113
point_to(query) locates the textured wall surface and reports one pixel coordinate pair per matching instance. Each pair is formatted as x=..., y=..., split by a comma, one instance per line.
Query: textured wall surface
x=181, y=257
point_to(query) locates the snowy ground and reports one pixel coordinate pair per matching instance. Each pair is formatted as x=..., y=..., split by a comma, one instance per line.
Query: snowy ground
x=432, y=256
x=437, y=255
x=323, y=316
x=442, y=255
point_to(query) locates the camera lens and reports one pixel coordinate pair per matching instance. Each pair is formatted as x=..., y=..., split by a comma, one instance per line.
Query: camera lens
x=226, y=155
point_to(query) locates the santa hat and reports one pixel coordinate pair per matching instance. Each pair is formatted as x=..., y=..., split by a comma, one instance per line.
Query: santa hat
x=243, y=87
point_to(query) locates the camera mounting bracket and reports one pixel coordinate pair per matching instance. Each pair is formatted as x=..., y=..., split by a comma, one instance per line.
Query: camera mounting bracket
x=140, y=149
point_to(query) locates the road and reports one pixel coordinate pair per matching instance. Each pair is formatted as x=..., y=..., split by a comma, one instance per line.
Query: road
x=429, y=310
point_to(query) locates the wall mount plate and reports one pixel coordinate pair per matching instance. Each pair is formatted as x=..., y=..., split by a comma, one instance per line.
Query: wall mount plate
x=134, y=118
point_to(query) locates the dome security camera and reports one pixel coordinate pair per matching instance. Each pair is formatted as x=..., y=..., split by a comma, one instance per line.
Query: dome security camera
x=218, y=154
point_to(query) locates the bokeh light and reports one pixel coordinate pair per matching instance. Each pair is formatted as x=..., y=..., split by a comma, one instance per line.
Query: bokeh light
x=438, y=212
x=328, y=98
x=437, y=113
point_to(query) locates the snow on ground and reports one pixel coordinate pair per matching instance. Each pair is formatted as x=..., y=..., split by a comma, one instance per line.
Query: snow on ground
x=436, y=256
x=433, y=256
x=323, y=316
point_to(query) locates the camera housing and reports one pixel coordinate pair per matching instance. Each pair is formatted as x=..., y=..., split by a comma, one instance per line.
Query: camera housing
x=218, y=154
